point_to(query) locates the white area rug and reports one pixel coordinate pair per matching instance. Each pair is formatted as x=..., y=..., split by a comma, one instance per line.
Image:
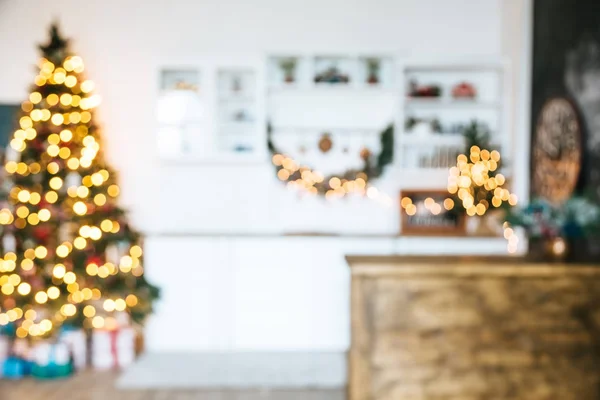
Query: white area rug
x=236, y=370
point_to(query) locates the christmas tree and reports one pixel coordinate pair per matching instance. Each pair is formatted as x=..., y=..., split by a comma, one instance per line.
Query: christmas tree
x=70, y=257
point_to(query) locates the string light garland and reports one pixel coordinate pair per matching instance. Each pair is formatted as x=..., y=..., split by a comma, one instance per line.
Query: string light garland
x=67, y=246
x=352, y=181
x=429, y=204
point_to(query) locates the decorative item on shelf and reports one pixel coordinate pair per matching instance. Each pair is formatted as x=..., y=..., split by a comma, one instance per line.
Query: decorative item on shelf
x=416, y=90
x=171, y=79
x=183, y=85
x=351, y=181
x=436, y=125
x=414, y=124
x=288, y=66
x=421, y=129
x=236, y=84
x=373, y=71
x=438, y=157
x=430, y=212
x=51, y=361
x=555, y=232
x=325, y=142
x=365, y=153
x=464, y=90
x=240, y=148
x=460, y=128
x=332, y=74
x=241, y=116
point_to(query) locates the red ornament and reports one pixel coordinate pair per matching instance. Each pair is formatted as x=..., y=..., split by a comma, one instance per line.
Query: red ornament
x=42, y=233
x=36, y=283
x=108, y=208
x=94, y=260
x=9, y=303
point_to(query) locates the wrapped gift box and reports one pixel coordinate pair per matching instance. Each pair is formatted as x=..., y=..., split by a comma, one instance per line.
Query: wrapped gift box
x=76, y=342
x=113, y=349
x=14, y=368
x=18, y=363
x=51, y=361
x=4, y=349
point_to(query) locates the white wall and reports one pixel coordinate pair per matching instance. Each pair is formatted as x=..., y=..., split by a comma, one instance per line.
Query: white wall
x=238, y=292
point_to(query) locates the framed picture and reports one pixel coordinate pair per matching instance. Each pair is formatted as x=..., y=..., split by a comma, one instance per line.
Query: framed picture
x=430, y=213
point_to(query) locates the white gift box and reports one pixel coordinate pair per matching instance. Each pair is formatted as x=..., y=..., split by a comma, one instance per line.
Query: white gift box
x=76, y=342
x=72, y=179
x=22, y=349
x=45, y=353
x=113, y=349
x=9, y=242
x=4, y=351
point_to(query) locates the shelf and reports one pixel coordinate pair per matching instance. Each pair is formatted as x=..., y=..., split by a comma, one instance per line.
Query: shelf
x=450, y=103
x=491, y=68
x=332, y=129
x=332, y=87
x=238, y=124
x=227, y=158
x=435, y=140
x=237, y=99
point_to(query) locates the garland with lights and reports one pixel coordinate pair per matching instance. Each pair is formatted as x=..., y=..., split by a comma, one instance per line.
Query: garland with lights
x=336, y=185
x=69, y=253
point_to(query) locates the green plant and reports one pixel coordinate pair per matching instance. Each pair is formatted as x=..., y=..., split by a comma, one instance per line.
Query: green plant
x=577, y=217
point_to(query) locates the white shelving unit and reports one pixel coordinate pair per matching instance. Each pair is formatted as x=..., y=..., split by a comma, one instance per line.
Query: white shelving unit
x=180, y=111
x=237, y=114
x=421, y=147
x=351, y=97
x=222, y=115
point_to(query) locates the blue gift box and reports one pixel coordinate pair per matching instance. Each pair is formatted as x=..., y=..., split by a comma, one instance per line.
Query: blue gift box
x=51, y=371
x=15, y=368
x=52, y=362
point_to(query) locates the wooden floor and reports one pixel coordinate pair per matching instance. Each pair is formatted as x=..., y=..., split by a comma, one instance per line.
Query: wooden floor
x=100, y=386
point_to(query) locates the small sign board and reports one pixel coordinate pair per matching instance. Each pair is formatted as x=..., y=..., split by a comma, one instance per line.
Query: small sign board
x=430, y=213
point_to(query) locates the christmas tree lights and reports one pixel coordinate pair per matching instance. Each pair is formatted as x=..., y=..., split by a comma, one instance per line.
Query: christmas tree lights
x=69, y=255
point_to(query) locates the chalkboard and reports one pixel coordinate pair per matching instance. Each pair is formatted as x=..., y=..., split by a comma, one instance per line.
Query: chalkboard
x=430, y=212
x=566, y=65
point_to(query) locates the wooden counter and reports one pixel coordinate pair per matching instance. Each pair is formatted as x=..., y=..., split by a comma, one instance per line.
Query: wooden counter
x=466, y=328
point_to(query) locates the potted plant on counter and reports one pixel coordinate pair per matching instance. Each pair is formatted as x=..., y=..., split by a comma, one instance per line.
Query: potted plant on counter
x=558, y=232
